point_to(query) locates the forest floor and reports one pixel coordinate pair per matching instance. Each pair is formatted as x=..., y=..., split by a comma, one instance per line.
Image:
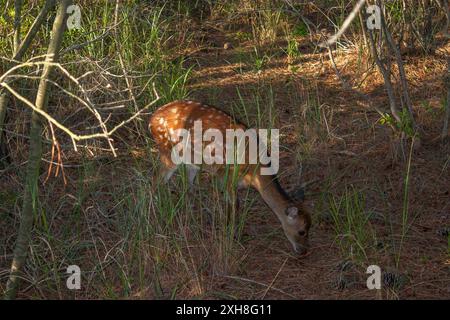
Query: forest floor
x=331, y=141
x=353, y=151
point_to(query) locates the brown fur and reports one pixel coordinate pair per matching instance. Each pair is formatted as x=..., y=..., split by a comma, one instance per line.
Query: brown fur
x=294, y=218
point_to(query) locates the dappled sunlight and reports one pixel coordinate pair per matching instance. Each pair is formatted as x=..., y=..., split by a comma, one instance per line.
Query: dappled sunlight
x=101, y=190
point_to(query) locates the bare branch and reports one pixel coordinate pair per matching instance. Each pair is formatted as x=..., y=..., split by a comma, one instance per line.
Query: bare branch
x=17, y=23
x=344, y=26
x=34, y=157
x=387, y=78
x=34, y=29
x=76, y=137
x=401, y=69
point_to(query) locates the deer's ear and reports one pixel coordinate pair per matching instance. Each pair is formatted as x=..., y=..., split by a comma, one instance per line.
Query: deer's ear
x=292, y=212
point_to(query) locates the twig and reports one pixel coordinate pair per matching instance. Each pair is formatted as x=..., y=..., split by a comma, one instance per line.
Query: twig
x=401, y=69
x=275, y=278
x=34, y=29
x=59, y=164
x=72, y=135
x=344, y=26
x=387, y=79
x=261, y=284
x=86, y=102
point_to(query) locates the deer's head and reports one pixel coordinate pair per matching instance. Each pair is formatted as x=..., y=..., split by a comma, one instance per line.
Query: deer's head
x=296, y=227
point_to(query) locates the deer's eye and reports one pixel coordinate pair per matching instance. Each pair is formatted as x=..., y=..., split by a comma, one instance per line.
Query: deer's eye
x=301, y=233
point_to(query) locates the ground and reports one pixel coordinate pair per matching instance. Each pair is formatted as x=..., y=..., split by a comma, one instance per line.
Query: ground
x=356, y=152
x=332, y=144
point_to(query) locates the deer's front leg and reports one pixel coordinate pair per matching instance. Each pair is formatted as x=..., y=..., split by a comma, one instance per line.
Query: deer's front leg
x=167, y=168
x=192, y=172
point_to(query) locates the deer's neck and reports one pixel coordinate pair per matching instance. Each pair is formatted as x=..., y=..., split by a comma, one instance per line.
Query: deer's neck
x=272, y=194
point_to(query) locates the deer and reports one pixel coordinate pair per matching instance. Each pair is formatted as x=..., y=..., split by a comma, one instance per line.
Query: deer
x=184, y=114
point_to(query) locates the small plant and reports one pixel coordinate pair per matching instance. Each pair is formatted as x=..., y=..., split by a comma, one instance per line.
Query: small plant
x=260, y=112
x=292, y=50
x=427, y=106
x=259, y=62
x=387, y=119
x=172, y=82
x=354, y=233
x=404, y=125
x=242, y=36
x=395, y=10
x=265, y=26
x=300, y=30
x=405, y=211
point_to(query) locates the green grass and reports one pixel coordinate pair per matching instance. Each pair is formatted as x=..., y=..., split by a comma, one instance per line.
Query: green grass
x=355, y=235
x=258, y=111
x=405, y=210
x=134, y=236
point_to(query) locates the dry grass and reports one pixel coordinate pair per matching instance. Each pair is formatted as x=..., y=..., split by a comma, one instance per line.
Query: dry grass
x=137, y=239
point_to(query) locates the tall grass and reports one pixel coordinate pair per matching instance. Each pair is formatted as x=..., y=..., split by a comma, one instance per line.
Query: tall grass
x=405, y=210
x=135, y=236
x=354, y=234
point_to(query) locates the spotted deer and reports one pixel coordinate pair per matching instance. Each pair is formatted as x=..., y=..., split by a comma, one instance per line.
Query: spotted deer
x=168, y=119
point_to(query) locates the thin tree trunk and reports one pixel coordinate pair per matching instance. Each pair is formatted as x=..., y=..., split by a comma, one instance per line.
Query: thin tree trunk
x=386, y=77
x=447, y=103
x=401, y=69
x=17, y=23
x=19, y=51
x=4, y=154
x=34, y=158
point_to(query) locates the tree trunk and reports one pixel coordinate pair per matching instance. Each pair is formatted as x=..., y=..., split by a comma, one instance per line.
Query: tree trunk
x=19, y=51
x=34, y=158
x=444, y=134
